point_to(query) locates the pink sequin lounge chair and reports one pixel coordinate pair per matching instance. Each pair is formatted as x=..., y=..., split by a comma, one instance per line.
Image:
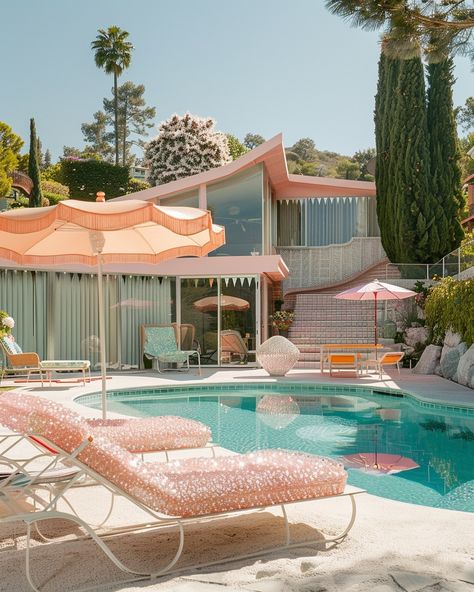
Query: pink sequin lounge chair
x=174, y=493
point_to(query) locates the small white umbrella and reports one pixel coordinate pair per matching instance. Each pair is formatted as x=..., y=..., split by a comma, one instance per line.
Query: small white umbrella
x=375, y=291
x=94, y=233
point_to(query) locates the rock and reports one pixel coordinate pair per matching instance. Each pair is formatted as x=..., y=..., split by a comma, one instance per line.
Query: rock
x=429, y=360
x=437, y=370
x=415, y=335
x=462, y=348
x=449, y=362
x=444, y=351
x=452, y=339
x=411, y=582
x=277, y=355
x=466, y=363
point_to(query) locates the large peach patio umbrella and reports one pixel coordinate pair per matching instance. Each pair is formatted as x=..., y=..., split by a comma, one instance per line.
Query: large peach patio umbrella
x=94, y=233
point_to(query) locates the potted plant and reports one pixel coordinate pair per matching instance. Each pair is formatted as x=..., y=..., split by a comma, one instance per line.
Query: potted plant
x=282, y=320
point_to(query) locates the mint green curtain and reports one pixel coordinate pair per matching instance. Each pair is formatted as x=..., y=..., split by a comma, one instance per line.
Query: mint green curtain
x=23, y=296
x=56, y=314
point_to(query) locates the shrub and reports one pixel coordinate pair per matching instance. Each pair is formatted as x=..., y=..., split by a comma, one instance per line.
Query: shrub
x=54, y=198
x=135, y=185
x=450, y=306
x=49, y=186
x=86, y=177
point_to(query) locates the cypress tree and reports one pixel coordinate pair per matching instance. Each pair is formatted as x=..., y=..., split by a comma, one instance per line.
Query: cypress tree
x=386, y=153
x=36, y=197
x=415, y=208
x=446, y=182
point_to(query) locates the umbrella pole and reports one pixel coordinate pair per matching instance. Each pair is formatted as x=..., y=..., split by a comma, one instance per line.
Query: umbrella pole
x=375, y=322
x=103, y=356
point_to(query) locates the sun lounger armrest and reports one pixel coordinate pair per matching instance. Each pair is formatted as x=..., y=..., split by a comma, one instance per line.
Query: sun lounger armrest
x=25, y=360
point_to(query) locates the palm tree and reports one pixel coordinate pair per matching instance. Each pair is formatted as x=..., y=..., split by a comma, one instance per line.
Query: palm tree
x=113, y=53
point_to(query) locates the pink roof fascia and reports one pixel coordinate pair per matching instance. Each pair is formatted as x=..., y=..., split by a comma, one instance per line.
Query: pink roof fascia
x=272, y=266
x=285, y=186
x=300, y=186
x=271, y=152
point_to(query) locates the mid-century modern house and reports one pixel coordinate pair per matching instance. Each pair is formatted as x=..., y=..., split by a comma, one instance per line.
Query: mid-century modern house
x=284, y=233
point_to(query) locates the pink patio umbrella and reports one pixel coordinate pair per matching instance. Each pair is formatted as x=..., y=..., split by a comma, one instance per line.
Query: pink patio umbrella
x=227, y=303
x=375, y=291
x=379, y=462
x=94, y=233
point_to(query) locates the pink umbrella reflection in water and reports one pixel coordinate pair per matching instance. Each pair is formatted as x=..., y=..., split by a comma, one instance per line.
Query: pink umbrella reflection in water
x=375, y=462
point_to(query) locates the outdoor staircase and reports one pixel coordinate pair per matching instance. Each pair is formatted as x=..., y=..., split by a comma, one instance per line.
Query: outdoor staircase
x=320, y=318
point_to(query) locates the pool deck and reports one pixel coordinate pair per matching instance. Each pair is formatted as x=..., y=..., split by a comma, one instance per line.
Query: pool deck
x=393, y=547
x=428, y=388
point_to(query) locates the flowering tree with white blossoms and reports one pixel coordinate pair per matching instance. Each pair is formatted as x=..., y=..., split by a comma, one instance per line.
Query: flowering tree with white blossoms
x=185, y=145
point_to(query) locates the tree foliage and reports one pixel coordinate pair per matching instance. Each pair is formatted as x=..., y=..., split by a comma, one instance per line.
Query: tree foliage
x=185, y=145
x=36, y=196
x=134, y=120
x=305, y=148
x=113, y=53
x=446, y=184
x=439, y=27
x=97, y=137
x=251, y=141
x=236, y=148
x=465, y=115
x=10, y=146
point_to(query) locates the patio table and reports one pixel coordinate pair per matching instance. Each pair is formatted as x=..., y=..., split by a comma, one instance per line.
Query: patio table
x=326, y=348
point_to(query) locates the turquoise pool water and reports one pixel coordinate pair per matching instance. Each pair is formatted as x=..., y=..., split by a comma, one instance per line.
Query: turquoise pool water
x=332, y=421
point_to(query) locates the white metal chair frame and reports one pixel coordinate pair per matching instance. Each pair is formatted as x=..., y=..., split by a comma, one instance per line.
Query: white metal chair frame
x=47, y=509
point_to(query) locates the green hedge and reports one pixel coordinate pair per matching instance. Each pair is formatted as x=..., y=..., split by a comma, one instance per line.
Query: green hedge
x=450, y=306
x=86, y=177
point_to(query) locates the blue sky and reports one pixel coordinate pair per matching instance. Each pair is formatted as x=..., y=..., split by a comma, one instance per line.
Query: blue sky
x=261, y=66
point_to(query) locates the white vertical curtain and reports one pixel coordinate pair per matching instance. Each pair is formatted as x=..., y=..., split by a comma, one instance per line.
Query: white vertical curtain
x=316, y=222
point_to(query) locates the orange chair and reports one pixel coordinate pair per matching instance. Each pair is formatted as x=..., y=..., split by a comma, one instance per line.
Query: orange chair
x=388, y=359
x=345, y=361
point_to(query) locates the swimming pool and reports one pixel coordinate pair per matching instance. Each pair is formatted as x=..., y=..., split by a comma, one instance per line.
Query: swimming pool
x=335, y=421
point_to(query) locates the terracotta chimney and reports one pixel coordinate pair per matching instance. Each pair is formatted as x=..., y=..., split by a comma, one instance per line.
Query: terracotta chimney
x=100, y=196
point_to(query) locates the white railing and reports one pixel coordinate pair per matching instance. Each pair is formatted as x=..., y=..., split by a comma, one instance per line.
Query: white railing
x=318, y=266
x=459, y=264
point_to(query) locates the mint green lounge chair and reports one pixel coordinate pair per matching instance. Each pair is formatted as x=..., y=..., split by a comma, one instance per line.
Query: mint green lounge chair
x=160, y=344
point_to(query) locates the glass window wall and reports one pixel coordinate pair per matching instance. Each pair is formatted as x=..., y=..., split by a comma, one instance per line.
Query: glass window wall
x=237, y=205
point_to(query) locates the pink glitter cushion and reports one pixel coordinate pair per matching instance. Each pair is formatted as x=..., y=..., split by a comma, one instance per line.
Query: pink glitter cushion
x=152, y=433
x=190, y=487
x=136, y=435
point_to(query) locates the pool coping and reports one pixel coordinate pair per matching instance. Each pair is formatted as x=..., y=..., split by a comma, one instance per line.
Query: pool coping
x=291, y=387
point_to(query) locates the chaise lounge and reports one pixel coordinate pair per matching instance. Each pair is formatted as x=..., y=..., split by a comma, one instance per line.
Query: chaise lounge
x=28, y=363
x=174, y=493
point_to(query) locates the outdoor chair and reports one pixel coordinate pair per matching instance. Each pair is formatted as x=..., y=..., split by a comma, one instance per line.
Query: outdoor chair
x=171, y=494
x=233, y=347
x=388, y=359
x=27, y=363
x=160, y=343
x=345, y=361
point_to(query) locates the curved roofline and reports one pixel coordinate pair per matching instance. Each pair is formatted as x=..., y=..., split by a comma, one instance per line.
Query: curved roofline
x=286, y=186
